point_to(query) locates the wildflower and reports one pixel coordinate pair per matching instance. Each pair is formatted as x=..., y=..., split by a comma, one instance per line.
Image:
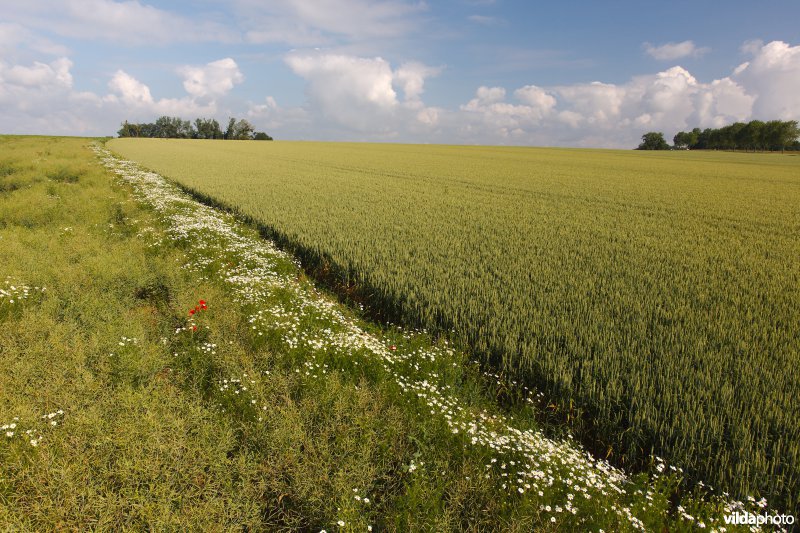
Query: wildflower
x=340, y=523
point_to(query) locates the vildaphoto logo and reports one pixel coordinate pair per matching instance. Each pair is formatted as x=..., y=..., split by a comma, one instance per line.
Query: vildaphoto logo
x=750, y=519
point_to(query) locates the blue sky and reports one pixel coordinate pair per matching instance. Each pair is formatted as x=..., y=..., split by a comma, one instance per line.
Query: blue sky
x=459, y=71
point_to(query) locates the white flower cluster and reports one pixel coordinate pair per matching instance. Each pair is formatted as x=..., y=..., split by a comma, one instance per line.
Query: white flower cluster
x=32, y=435
x=15, y=293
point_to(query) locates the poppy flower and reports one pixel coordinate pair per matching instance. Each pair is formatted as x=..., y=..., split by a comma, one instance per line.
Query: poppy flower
x=192, y=311
x=393, y=347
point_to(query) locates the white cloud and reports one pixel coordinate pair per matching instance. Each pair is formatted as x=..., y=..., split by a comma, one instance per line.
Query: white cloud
x=595, y=101
x=355, y=92
x=271, y=116
x=602, y=114
x=40, y=98
x=339, y=79
x=751, y=47
x=131, y=91
x=310, y=22
x=361, y=94
x=39, y=75
x=368, y=98
x=212, y=80
x=204, y=85
x=129, y=21
x=411, y=77
x=490, y=114
x=14, y=36
x=673, y=51
x=536, y=97
x=772, y=76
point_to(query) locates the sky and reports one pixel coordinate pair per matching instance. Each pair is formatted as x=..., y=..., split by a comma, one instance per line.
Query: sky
x=568, y=73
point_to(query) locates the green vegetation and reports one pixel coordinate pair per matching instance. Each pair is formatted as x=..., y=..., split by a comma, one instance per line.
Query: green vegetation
x=653, y=297
x=166, y=369
x=203, y=128
x=755, y=135
x=653, y=140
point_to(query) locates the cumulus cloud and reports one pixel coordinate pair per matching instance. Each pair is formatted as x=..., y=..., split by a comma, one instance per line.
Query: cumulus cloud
x=345, y=85
x=40, y=98
x=411, y=78
x=271, y=116
x=536, y=97
x=130, y=90
x=369, y=98
x=603, y=114
x=490, y=113
x=772, y=76
x=202, y=83
x=673, y=51
x=39, y=75
x=359, y=93
x=212, y=80
x=353, y=94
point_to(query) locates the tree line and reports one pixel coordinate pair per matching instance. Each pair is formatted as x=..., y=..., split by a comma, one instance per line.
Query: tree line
x=755, y=135
x=202, y=128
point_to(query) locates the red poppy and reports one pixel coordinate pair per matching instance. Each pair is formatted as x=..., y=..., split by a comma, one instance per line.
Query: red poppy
x=202, y=302
x=192, y=311
x=194, y=328
x=393, y=347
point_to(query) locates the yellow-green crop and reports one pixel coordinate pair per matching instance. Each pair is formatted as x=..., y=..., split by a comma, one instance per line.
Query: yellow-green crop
x=655, y=297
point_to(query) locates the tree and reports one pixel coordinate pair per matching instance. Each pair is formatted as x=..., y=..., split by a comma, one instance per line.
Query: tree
x=653, y=140
x=777, y=134
x=243, y=130
x=202, y=128
x=791, y=134
x=682, y=140
x=753, y=135
x=729, y=136
x=126, y=130
x=230, y=132
x=207, y=129
x=173, y=128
